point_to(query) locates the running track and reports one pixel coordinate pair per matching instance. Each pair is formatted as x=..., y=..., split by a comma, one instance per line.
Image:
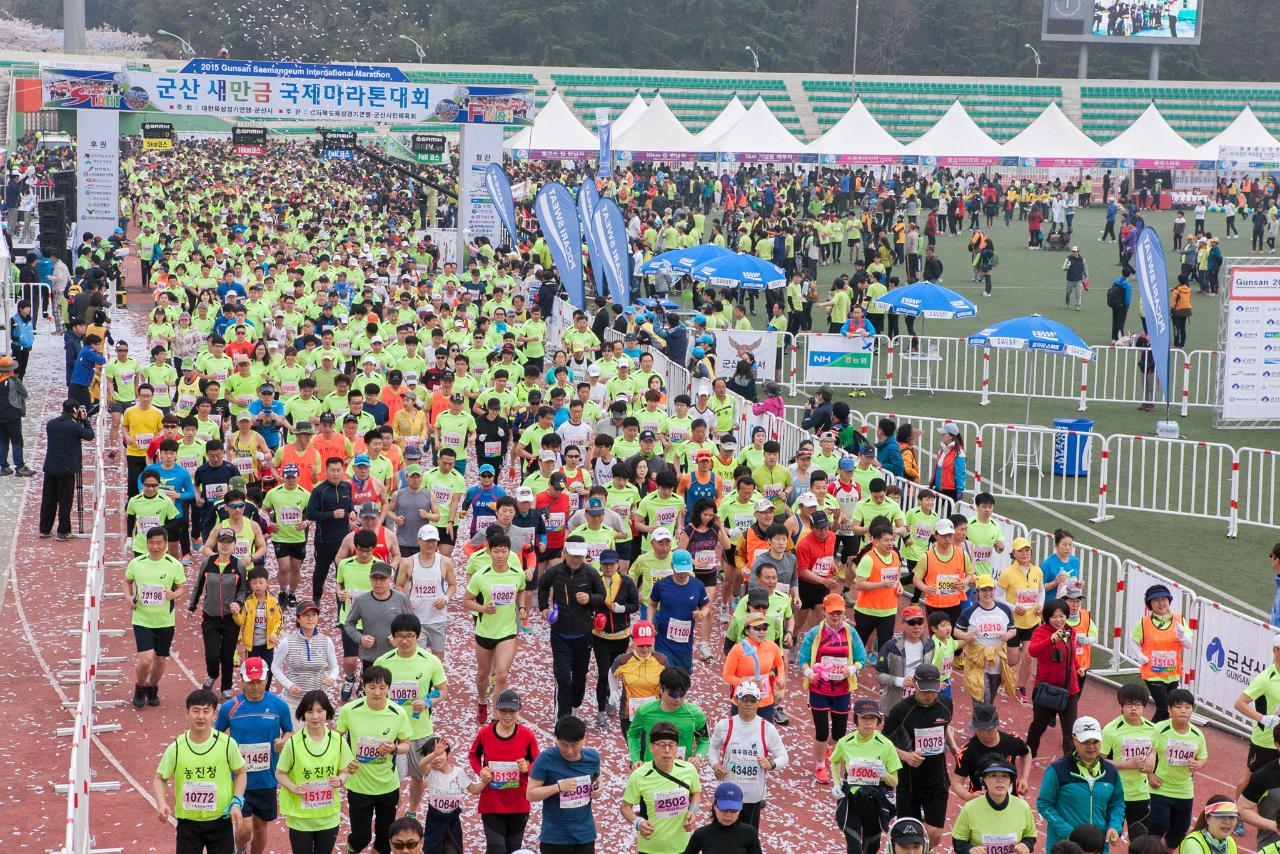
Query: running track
x=40, y=614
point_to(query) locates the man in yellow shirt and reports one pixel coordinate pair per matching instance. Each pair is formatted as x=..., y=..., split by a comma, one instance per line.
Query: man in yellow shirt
x=141, y=423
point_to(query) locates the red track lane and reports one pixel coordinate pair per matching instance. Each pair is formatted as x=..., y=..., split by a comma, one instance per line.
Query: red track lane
x=43, y=604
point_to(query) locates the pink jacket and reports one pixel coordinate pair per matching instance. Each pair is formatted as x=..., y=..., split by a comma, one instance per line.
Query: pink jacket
x=771, y=405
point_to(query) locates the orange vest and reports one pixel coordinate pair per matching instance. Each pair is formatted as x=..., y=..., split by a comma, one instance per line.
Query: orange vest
x=307, y=462
x=334, y=446
x=751, y=545
x=885, y=598
x=1084, y=652
x=1162, y=649
x=935, y=566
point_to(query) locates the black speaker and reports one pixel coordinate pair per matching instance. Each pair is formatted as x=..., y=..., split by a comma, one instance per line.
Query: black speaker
x=52, y=215
x=64, y=185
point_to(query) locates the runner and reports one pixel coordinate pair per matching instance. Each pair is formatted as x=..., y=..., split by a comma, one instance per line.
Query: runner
x=311, y=771
x=152, y=582
x=375, y=730
x=566, y=780
x=502, y=755
x=569, y=593
x=920, y=728
x=427, y=578
x=611, y=629
x=1127, y=741
x=304, y=660
x=661, y=798
x=287, y=503
x=745, y=748
x=221, y=583
x=491, y=595
x=689, y=721
x=675, y=603
x=989, y=744
x=1159, y=642
x=998, y=820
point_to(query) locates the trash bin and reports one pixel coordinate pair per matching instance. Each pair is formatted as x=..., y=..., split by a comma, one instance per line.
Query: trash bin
x=1071, y=449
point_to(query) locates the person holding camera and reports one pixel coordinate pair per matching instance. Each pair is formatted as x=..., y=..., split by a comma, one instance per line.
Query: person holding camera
x=64, y=436
x=1057, y=690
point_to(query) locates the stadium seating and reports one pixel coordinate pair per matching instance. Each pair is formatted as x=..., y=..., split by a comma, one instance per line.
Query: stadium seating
x=693, y=100
x=907, y=109
x=1197, y=113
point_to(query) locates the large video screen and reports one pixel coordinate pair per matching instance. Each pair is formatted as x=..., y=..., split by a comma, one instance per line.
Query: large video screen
x=1123, y=21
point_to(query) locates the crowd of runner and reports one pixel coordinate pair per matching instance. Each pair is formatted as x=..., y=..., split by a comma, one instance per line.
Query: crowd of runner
x=318, y=388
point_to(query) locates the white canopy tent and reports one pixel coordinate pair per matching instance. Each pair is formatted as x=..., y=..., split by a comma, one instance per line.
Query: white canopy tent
x=634, y=110
x=729, y=116
x=857, y=138
x=657, y=135
x=1053, y=140
x=1150, y=138
x=757, y=137
x=1245, y=130
x=956, y=138
x=556, y=134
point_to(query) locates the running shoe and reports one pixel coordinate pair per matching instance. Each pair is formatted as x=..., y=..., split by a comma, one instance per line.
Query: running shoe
x=207, y=684
x=228, y=694
x=282, y=598
x=153, y=695
x=67, y=537
x=24, y=472
x=139, y=696
x=823, y=774
x=780, y=718
x=5, y=471
x=348, y=687
x=602, y=719
x=482, y=713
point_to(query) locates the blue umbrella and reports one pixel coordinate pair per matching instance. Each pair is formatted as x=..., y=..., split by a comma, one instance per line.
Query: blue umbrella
x=683, y=260
x=747, y=271
x=1032, y=332
x=925, y=299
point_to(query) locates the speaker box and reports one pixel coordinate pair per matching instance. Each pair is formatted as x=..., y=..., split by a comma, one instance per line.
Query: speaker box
x=52, y=215
x=64, y=185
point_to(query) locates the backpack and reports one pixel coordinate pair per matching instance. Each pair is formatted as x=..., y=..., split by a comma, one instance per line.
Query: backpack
x=1115, y=297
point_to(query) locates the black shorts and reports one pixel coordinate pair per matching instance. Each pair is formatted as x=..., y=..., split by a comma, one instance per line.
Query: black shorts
x=1260, y=756
x=297, y=550
x=551, y=554
x=846, y=546
x=118, y=408
x=811, y=595
x=1020, y=637
x=173, y=529
x=153, y=640
x=624, y=550
x=260, y=803
x=446, y=538
x=492, y=643
x=708, y=579
x=930, y=806
x=350, y=649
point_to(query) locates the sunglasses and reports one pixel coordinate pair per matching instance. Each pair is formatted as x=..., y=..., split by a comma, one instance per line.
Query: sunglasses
x=406, y=844
x=914, y=622
x=757, y=628
x=676, y=695
x=237, y=506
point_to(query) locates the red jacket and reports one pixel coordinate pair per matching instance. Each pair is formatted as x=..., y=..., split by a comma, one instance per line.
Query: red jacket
x=1044, y=642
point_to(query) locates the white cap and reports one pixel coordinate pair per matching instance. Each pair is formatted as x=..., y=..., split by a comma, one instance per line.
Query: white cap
x=944, y=526
x=1087, y=729
x=624, y=362
x=703, y=389
x=547, y=457
x=763, y=504
x=660, y=533
x=576, y=549
x=524, y=493
x=377, y=339
x=748, y=688
x=428, y=533
x=807, y=499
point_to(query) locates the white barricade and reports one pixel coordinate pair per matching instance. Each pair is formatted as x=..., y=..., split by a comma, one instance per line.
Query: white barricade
x=1201, y=378
x=1230, y=649
x=1100, y=575
x=1116, y=376
x=1175, y=476
x=936, y=364
x=1259, y=484
x=1130, y=600
x=1035, y=463
x=1029, y=373
x=927, y=443
x=943, y=505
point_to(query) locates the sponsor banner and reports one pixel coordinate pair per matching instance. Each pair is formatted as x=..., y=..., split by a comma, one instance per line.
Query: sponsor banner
x=1231, y=649
x=604, y=132
x=554, y=153
x=588, y=202
x=97, y=174
x=649, y=156
x=499, y=187
x=338, y=145
x=280, y=97
x=481, y=146
x=1250, y=390
x=255, y=68
x=557, y=214
x=1248, y=158
x=611, y=231
x=838, y=360
x=759, y=348
x=865, y=159
x=1153, y=285
x=757, y=157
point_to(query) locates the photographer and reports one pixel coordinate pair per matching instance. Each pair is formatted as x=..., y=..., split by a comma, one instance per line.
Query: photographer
x=62, y=462
x=1057, y=689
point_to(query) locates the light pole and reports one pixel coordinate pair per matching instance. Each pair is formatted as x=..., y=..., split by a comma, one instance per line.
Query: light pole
x=186, y=45
x=755, y=59
x=422, y=53
x=857, y=7
x=1036, y=55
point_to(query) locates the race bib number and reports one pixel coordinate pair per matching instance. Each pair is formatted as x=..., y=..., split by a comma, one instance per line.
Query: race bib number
x=506, y=775
x=125, y=378
x=991, y=630
x=824, y=566
x=146, y=523
x=672, y=803
x=141, y=441
x=316, y=795
x=947, y=584
x=288, y=387
x=367, y=748
x=451, y=440
x=1027, y=598
x=982, y=554
x=1135, y=747
x=404, y=690
x=922, y=532
x=219, y=376
x=1164, y=660
x=864, y=772
x=200, y=796
x=257, y=757
x=555, y=522
x=244, y=465
x=578, y=796
x=634, y=703
x=214, y=491
x=493, y=449
x=503, y=594
x=445, y=803
x=1178, y=752
x=772, y=490
x=930, y=741
x=442, y=495
x=946, y=666
x=706, y=560
x=679, y=631
x=594, y=550
x=151, y=595
x=185, y=402
x=243, y=399
x=290, y=515
x=1001, y=843
x=424, y=590
x=666, y=516
x=240, y=549
x=189, y=463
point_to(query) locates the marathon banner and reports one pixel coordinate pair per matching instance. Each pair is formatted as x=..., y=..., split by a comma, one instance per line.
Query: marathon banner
x=604, y=131
x=588, y=202
x=758, y=348
x=249, y=141
x=499, y=187
x=1248, y=158
x=1153, y=285
x=316, y=95
x=157, y=136
x=611, y=234
x=838, y=360
x=1230, y=650
x=558, y=217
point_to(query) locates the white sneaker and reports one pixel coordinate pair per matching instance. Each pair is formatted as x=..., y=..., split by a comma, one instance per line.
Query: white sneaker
x=704, y=651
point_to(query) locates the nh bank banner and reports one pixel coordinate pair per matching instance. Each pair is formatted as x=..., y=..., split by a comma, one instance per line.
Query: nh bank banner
x=838, y=360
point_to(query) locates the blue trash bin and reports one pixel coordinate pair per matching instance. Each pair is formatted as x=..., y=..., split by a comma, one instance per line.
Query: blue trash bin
x=1071, y=449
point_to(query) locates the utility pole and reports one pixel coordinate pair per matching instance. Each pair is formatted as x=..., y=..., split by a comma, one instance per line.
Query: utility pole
x=73, y=37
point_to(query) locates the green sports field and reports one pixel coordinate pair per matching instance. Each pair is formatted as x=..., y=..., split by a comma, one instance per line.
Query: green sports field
x=1189, y=549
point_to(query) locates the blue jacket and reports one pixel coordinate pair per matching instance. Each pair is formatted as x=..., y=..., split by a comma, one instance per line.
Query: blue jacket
x=72, y=344
x=86, y=361
x=1275, y=605
x=178, y=479
x=889, y=455
x=1066, y=800
x=23, y=331
x=935, y=482
x=1126, y=287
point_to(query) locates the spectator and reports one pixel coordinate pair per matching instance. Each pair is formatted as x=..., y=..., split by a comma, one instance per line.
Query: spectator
x=13, y=406
x=62, y=462
x=1082, y=788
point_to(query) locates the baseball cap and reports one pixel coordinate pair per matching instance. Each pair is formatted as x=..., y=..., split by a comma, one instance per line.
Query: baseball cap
x=928, y=678
x=728, y=442
x=647, y=436
x=524, y=493
x=755, y=619
x=985, y=716
x=681, y=561
x=575, y=548
x=244, y=416
x=702, y=454
x=411, y=470
x=867, y=706
x=1075, y=591
x=804, y=452
x=819, y=520
x=428, y=533
x=907, y=831
x=227, y=535
x=1020, y=543
x=944, y=526
x=757, y=597
x=950, y=429
x=290, y=470
x=984, y=581
x=747, y=688
x=361, y=460
x=763, y=505
x=486, y=469
x=660, y=533
x=807, y=499
x=325, y=417
x=369, y=509
x=845, y=464
x=997, y=766
x=608, y=556
x=456, y=397
x=833, y=602
x=643, y=633
x=253, y=668
x=412, y=452
x=304, y=426
x=595, y=507
x=913, y=612
x=593, y=370
x=305, y=605
x=557, y=479
x=729, y=795
x=508, y=701
x=381, y=569
x=547, y=457
x=1075, y=248
x=1087, y=729
x=493, y=403
x=864, y=451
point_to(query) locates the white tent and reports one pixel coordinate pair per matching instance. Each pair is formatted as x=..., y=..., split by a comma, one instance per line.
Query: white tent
x=1245, y=130
x=857, y=137
x=729, y=116
x=1052, y=137
x=627, y=117
x=1150, y=138
x=556, y=134
x=657, y=135
x=757, y=136
x=956, y=137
